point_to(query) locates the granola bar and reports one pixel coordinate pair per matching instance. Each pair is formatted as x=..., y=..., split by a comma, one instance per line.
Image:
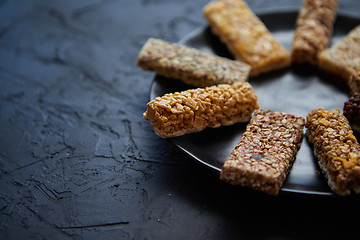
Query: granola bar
x=354, y=83
x=246, y=36
x=343, y=59
x=263, y=157
x=313, y=29
x=190, y=65
x=336, y=149
x=193, y=110
x=352, y=111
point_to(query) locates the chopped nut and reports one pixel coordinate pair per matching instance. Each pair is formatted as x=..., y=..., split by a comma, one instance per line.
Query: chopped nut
x=324, y=122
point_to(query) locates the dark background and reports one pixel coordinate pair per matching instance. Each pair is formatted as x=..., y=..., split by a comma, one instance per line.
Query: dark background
x=77, y=160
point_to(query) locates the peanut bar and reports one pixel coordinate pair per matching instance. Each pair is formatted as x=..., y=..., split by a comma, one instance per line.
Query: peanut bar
x=336, y=149
x=193, y=110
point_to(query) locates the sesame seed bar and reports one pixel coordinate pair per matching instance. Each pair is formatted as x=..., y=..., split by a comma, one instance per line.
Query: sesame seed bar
x=190, y=65
x=246, y=36
x=193, y=110
x=263, y=157
x=336, y=149
x=343, y=58
x=313, y=29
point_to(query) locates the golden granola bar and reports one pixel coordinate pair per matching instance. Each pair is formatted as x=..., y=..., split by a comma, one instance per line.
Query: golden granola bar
x=336, y=149
x=193, y=110
x=313, y=29
x=190, y=65
x=343, y=59
x=246, y=36
x=266, y=151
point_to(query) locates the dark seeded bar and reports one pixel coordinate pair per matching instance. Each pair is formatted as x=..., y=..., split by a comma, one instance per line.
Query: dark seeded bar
x=190, y=65
x=263, y=157
x=352, y=111
x=313, y=30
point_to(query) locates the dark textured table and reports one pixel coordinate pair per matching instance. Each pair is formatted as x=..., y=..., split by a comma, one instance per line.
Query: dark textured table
x=77, y=160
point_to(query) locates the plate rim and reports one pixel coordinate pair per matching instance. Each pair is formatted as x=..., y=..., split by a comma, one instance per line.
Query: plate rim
x=260, y=13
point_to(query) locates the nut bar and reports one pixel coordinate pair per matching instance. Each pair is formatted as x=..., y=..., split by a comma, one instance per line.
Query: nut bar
x=313, y=29
x=354, y=83
x=263, y=157
x=246, y=36
x=190, y=65
x=352, y=111
x=336, y=149
x=193, y=110
x=343, y=59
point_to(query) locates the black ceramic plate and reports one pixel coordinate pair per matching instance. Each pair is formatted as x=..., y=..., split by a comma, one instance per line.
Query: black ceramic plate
x=296, y=90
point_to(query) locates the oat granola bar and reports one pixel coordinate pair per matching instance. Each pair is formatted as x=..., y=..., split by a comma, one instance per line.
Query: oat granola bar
x=246, y=36
x=354, y=83
x=313, y=30
x=190, y=65
x=343, y=58
x=263, y=157
x=336, y=149
x=193, y=110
